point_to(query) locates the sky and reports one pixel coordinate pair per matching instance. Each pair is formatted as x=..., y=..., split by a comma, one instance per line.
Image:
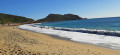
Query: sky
x=38, y=9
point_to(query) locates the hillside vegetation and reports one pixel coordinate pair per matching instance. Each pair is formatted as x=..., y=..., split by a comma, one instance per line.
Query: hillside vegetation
x=59, y=17
x=6, y=18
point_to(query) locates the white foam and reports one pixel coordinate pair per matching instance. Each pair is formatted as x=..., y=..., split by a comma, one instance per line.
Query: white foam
x=102, y=40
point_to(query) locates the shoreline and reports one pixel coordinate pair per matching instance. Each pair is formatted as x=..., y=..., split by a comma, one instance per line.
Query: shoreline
x=68, y=39
x=104, y=45
x=28, y=42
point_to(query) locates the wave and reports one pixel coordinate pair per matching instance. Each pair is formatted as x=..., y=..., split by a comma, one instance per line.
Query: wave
x=93, y=31
x=100, y=40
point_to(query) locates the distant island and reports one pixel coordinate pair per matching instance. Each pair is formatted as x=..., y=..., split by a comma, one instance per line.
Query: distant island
x=10, y=19
x=59, y=17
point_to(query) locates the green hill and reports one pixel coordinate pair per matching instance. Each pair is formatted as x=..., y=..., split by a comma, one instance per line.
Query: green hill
x=59, y=17
x=7, y=18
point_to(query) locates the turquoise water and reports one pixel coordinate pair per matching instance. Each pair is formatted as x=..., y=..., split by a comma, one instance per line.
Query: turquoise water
x=110, y=24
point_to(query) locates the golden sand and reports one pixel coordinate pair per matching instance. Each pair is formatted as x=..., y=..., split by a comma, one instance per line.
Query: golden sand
x=21, y=42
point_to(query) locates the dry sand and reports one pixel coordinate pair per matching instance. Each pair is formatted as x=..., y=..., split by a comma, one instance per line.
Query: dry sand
x=21, y=42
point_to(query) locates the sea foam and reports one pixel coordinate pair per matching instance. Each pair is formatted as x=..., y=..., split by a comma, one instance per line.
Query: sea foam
x=100, y=40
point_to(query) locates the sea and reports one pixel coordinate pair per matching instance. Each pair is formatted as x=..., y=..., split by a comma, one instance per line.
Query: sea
x=104, y=32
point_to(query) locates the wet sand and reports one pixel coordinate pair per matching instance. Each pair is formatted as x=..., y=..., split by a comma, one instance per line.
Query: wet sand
x=22, y=42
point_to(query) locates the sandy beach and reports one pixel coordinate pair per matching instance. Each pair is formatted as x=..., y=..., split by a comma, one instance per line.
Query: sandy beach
x=22, y=42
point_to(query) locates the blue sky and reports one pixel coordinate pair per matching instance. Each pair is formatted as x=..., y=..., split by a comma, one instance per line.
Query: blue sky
x=37, y=9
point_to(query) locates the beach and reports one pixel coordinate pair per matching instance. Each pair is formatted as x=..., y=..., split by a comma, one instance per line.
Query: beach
x=15, y=41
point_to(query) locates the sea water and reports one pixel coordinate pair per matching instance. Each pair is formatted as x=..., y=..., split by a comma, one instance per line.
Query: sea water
x=104, y=26
x=110, y=24
x=67, y=29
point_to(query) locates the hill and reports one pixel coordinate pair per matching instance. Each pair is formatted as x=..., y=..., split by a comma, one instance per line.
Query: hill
x=59, y=17
x=7, y=18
